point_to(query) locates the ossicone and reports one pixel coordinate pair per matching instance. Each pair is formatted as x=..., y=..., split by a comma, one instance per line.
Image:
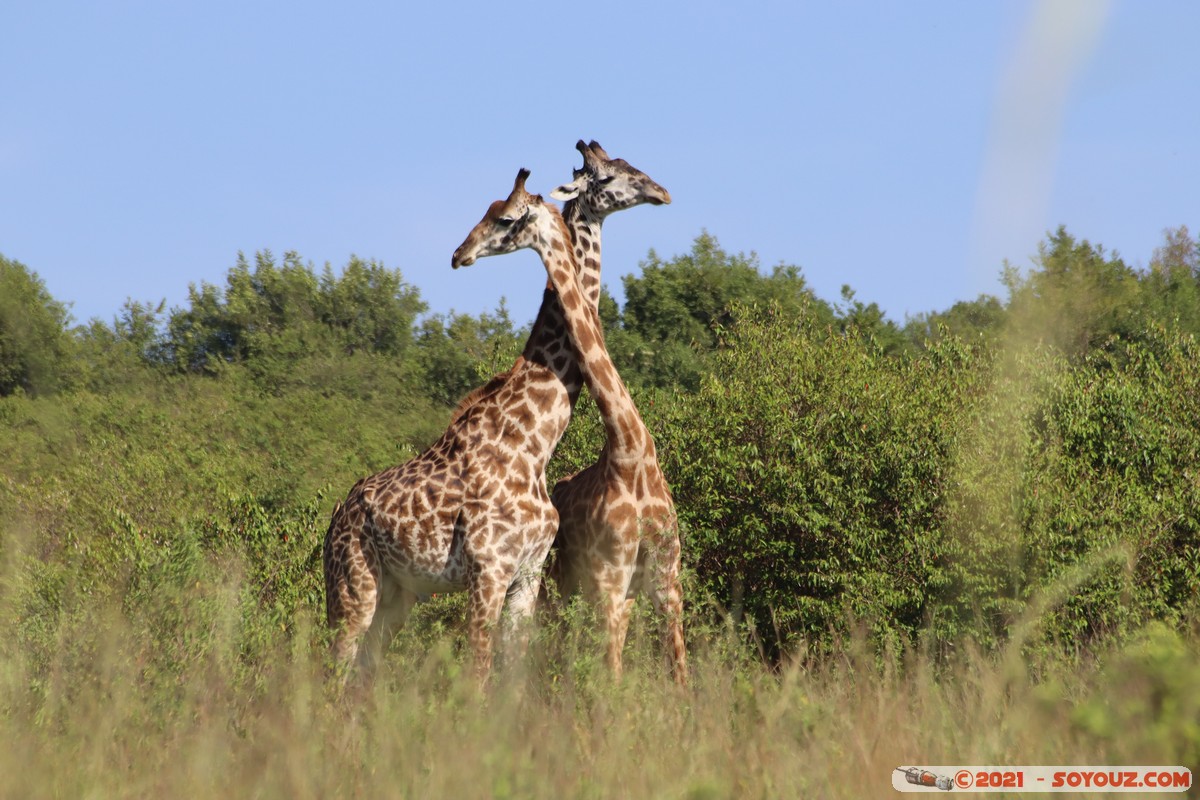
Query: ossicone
x=519, y=183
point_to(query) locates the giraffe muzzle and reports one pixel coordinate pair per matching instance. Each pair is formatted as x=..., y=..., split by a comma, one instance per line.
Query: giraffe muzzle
x=461, y=259
x=659, y=197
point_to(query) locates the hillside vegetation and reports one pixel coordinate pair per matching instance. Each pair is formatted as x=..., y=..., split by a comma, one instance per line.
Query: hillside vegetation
x=971, y=538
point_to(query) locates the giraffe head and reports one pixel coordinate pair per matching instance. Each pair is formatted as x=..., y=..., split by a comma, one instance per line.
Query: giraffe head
x=523, y=220
x=604, y=185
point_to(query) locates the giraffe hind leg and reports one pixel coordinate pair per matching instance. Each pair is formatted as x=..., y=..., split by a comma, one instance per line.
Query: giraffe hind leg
x=612, y=589
x=484, y=607
x=352, y=584
x=394, y=603
x=667, y=595
x=351, y=624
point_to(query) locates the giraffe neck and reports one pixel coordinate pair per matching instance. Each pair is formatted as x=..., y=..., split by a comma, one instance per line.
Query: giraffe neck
x=627, y=434
x=584, y=228
x=548, y=342
x=549, y=345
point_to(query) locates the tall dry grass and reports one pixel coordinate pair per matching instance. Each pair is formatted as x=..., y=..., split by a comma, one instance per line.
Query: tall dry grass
x=105, y=716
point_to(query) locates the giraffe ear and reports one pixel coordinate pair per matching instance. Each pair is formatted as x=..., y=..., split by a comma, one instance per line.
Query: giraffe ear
x=567, y=190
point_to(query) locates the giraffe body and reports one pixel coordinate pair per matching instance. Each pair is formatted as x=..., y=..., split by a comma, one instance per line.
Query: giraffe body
x=618, y=531
x=470, y=512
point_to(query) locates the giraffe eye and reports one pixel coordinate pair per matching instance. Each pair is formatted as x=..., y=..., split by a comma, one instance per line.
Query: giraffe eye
x=504, y=222
x=606, y=179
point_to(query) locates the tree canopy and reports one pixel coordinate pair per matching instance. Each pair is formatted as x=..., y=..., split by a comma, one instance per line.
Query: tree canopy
x=33, y=336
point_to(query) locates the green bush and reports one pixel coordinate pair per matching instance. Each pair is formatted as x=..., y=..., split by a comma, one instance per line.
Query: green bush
x=1116, y=470
x=1147, y=686
x=948, y=495
x=34, y=345
x=810, y=472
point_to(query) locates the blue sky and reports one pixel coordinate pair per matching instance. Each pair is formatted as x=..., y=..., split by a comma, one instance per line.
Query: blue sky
x=904, y=148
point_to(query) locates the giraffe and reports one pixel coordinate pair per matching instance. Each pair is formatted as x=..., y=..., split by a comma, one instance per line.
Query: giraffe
x=626, y=525
x=365, y=599
x=618, y=531
x=470, y=512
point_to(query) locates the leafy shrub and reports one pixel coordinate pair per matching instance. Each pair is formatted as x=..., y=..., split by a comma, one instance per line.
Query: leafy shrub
x=950, y=495
x=33, y=338
x=1116, y=470
x=810, y=472
x=1146, y=687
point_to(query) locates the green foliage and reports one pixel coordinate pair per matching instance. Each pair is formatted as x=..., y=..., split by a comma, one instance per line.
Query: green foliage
x=271, y=316
x=1171, y=286
x=672, y=311
x=110, y=356
x=279, y=548
x=1115, y=468
x=459, y=352
x=1077, y=296
x=989, y=475
x=1076, y=501
x=810, y=472
x=33, y=340
x=867, y=320
x=978, y=320
x=1076, y=299
x=1148, y=686
x=950, y=495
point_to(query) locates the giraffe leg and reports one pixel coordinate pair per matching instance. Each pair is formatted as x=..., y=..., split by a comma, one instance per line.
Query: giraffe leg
x=351, y=621
x=671, y=607
x=391, y=612
x=626, y=613
x=552, y=586
x=352, y=580
x=484, y=607
x=667, y=595
x=519, y=607
x=345, y=648
x=612, y=585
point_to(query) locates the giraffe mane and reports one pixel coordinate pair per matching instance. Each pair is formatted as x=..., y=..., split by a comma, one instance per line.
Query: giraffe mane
x=479, y=392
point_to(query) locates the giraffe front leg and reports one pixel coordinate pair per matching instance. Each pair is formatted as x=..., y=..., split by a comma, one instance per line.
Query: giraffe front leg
x=484, y=607
x=519, y=608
